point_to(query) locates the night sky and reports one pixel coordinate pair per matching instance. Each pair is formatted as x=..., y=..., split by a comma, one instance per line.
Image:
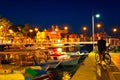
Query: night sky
x=75, y=13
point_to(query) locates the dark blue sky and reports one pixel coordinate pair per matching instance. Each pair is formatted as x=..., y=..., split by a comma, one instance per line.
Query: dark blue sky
x=74, y=13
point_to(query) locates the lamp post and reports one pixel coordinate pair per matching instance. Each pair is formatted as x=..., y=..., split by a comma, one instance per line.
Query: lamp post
x=98, y=27
x=93, y=32
x=84, y=29
x=36, y=29
x=66, y=29
x=30, y=30
x=115, y=30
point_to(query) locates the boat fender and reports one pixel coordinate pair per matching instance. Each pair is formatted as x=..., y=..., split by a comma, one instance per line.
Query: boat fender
x=78, y=53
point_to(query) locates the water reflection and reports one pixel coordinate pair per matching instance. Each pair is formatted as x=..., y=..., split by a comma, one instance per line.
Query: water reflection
x=102, y=72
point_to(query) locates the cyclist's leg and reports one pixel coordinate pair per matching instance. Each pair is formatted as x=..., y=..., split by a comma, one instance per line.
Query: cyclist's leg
x=103, y=57
x=100, y=54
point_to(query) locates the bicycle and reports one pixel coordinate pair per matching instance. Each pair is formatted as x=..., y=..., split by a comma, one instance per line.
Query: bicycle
x=105, y=57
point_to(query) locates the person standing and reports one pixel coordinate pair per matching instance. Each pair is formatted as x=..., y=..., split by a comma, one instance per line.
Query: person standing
x=101, y=47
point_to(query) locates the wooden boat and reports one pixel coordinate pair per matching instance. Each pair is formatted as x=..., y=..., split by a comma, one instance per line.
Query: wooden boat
x=50, y=64
x=75, y=57
x=36, y=72
x=45, y=73
x=28, y=73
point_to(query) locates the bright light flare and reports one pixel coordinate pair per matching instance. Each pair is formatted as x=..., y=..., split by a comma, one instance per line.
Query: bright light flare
x=114, y=29
x=65, y=28
x=84, y=28
x=30, y=30
x=97, y=15
x=98, y=25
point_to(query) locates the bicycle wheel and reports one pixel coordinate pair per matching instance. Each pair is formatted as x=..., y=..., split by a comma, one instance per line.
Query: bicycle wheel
x=97, y=57
x=107, y=58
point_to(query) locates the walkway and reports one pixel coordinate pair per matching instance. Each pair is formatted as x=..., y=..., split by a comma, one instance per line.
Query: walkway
x=87, y=70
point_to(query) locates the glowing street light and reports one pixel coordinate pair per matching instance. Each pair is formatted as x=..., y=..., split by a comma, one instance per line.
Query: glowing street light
x=97, y=15
x=84, y=28
x=65, y=28
x=1, y=27
x=93, y=32
x=30, y=30
x=98, y=25
x=36, y=29
x=115, y=30
x=11, y=31
x=56, y=29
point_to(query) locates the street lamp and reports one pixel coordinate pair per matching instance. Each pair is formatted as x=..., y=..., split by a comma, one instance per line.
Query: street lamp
x=84, y=29
x=115, y=30
x=98, y=25
x=65, y=28
x=30, y=30
x=36, y=29
x=93, y=32
x=11, y=31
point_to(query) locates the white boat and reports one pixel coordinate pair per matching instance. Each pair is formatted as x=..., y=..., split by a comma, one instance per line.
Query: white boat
x=66, y=59
x=70, y=61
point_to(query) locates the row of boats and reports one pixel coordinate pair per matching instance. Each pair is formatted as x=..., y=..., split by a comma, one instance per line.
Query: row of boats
x=35, y=64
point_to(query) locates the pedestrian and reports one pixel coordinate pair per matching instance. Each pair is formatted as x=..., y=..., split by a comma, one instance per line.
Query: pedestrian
x=101, y=48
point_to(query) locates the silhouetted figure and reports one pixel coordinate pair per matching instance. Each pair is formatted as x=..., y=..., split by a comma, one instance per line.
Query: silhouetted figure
x=101, y=47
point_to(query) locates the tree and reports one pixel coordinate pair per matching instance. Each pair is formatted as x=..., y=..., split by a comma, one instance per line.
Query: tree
x=4, y=25
x=25, y=29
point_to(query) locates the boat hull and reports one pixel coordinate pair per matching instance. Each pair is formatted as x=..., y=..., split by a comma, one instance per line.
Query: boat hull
x=71, y=61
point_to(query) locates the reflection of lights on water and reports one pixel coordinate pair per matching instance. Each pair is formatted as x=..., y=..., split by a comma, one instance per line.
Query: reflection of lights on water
x=66, y=76
x=99, y=70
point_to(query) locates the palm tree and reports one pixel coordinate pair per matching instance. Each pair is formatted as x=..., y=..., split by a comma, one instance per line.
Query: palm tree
x=5, y=24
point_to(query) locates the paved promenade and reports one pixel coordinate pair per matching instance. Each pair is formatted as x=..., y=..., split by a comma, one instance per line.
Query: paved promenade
x=90, y=70
x=87, y=70
x=116, y=59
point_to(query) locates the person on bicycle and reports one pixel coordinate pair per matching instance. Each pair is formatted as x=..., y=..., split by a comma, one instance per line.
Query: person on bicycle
x=101, y=47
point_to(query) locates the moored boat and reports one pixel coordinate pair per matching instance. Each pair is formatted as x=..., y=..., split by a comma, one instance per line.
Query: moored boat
x=70, y=61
